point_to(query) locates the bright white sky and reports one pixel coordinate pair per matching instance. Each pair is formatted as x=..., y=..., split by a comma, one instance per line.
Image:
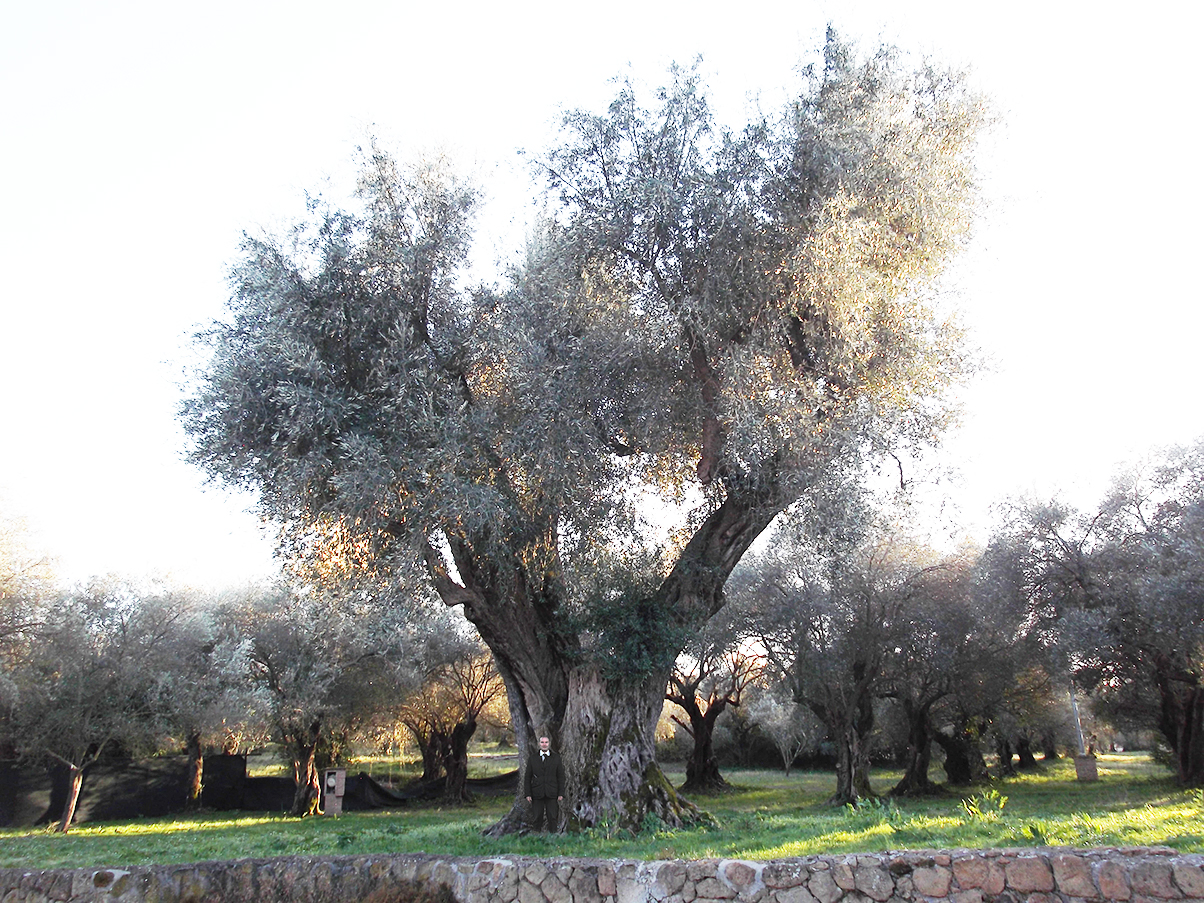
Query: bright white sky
x=138, y=139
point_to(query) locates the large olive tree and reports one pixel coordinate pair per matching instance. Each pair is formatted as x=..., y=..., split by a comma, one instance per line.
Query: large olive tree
x=708, y=318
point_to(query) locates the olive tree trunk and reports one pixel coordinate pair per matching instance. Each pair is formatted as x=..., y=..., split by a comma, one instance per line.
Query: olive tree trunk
x=702, y=768
x=1181, y=721
x=915, y=781
x=1027, y=760
x=964, y=762
x=852, y=766
x=455, y=762
x=75, y=784
x=307, y=792
x=196, y=771
x=604, y=730
x=609, y=754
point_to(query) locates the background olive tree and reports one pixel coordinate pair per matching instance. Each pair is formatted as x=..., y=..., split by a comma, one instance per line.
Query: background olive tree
x=1121, y=586
x=86, y=684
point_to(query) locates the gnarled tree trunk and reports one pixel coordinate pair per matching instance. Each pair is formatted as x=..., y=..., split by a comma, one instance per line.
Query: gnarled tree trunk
x=604, y=731
x=915, y=780
x=702, y=769
x=852, y=767
x=1005, y=754
x=964, y=763
x=307, y=793
x=455, y=762
x=609, y=753
x=1027, y=761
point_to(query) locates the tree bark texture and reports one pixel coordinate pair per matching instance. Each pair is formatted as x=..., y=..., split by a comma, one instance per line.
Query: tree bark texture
x=1005, y=754
x=432, y=762
x=852, y=768
x=1027, y=760
x=609, y=752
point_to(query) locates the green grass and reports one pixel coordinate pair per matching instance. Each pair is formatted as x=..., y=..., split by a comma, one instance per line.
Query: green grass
x=767, y=815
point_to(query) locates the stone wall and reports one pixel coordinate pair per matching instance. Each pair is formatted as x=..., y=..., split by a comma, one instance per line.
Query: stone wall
x=958, y=876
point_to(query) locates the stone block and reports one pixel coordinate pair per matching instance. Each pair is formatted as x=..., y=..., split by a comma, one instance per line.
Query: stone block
x=1153, y=879
x=713, y=889
x=797, y=894
x=478, y=880
x=741, y=875
x=583, y=886
x=554, y=890
x=1072, y=875
x=631, y=890
x=505, y=889
x=932, y=882
x=1189, y=878
x=528, y=892
x=671, y=877
x=606, y=881
x=535, y=872
x=702, y=868
x=1027, y=874
x=906, y=863
x=973, y=895
x=824, y=888
x=970, y=872
x=783, y=873
x=842, y=874
x=1113, y=881
x=873, y=880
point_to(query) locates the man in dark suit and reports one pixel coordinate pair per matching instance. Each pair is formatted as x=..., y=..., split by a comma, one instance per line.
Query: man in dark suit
x=545, y=787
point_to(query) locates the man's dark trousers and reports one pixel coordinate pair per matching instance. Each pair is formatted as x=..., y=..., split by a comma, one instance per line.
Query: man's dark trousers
x=545, y=782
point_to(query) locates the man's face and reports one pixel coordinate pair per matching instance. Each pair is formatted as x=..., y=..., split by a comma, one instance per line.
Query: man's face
x=544, y=744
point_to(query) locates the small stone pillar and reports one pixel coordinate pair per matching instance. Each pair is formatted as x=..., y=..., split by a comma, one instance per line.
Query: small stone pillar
x=333, y=789
x=1085, y=768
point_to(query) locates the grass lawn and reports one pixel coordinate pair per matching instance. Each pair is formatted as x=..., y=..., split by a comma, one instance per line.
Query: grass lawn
x=767, y=815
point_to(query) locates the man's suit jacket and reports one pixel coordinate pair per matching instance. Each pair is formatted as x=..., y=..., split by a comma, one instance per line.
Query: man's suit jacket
x=545, y=777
